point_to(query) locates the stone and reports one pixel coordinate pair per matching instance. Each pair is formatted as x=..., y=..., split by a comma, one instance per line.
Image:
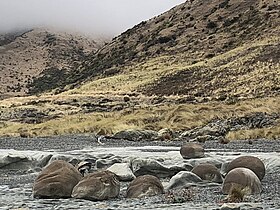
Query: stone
x=56, y=180
x=137, y=135
x=250, y=162
x=165, y=134
x=97, y=187
x=183, y=179
x=208, y=172
x=122, y=171
x=206, y=133
x=15, y=161
x=107, y=162
x=242, y=178
x=84, y=167
x=144, y=186
x=192, y=150
x=152, y=167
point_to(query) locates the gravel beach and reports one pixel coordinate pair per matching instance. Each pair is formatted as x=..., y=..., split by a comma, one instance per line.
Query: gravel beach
x=208, y=197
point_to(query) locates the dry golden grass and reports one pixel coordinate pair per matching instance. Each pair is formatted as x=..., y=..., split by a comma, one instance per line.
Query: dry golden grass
x=135, y=76
x=177, y=117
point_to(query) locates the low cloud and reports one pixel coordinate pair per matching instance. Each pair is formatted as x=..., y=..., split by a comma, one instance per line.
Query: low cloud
x=95, y=17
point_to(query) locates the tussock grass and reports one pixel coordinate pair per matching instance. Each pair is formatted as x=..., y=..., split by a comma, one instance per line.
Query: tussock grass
x=177, y=117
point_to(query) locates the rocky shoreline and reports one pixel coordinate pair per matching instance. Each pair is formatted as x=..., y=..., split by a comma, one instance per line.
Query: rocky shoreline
x=18, y=183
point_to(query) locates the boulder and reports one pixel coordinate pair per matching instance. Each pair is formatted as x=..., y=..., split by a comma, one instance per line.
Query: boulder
x=208, y=132
x=192, y=150
x=15, y=161
x=144, y=186
x=97, y=186
x=104, y=163
x=56, y=180
x=122, y=171
x=137, y=135
x=152, y=167
x=251, y=162
x=84, y=167
x=183, y=179
x=242, y=178
x=208, y=172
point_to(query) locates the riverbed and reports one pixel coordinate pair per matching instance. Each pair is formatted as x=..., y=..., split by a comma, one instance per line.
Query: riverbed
x=30, y=155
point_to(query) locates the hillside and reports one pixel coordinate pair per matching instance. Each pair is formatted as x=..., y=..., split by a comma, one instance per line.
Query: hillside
x=203, y=64
x=214, y=49
x=27, y=55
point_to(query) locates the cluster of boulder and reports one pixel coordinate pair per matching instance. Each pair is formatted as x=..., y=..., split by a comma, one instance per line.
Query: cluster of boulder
x=61, y=179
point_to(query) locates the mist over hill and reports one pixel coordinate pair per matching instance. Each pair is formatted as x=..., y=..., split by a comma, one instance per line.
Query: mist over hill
x=216, y=49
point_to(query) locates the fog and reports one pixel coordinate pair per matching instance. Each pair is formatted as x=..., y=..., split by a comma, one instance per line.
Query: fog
x=92, y=17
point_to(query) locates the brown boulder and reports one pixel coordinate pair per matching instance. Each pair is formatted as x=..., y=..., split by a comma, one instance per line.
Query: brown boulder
x=56, y=180
x=97, y=186
x=208, y=172
x=242, y=178
x=192, y=150
x=144, y=186
x=251, y=162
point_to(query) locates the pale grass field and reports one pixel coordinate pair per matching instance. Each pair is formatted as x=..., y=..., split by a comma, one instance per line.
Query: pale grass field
x=176, y=117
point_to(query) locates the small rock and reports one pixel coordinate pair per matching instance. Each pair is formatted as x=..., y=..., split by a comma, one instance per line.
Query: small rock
x=183, y=179
x=122, y=171
x=230, y=206
x=192, y=150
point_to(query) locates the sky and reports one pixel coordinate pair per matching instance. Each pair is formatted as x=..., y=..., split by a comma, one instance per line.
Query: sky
x=91, y=17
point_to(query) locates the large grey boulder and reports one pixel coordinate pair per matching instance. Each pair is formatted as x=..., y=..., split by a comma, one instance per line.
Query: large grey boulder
x=16, y=161
x=250, y=162
x=183, y=179
x=208, y=172
x=192, y=150
x=212, y=131
x=137, y=135
x=144, y=186
x=122, y=171
x=242, y=178
x=56, y=180
x=152, y=167
x=97, y=186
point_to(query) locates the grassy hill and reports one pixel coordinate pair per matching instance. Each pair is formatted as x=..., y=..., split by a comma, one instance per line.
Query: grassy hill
x=200, y=62
x=29, y=55
x=211, y=48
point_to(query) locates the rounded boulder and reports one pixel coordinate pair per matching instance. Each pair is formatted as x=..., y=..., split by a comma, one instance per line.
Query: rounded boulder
x=250, y=162
x=97, y=187
x=242, y=178
x=192, y=150
x=56, y=180
x=144, y=186
x=208, y=172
